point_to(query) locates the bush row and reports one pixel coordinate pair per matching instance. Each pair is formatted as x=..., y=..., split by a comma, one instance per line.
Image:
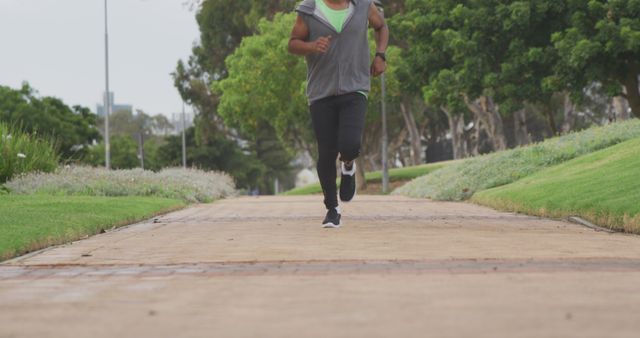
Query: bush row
x=190, y=185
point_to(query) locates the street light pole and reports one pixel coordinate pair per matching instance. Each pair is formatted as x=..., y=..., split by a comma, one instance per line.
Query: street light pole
x=184, y=139
x=385, y=137
x=107, y=96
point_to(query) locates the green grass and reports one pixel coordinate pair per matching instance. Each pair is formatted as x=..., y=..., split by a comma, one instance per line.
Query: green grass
x=21, y=152
x=396, y=174
x=29, y=223
x=461, y=180
x=602, y=187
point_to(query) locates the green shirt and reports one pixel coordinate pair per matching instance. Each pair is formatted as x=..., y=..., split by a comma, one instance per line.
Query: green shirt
x=336, y=17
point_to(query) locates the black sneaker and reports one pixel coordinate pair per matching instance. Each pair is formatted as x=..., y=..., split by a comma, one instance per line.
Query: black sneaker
x=332, y=220
x=348, y=183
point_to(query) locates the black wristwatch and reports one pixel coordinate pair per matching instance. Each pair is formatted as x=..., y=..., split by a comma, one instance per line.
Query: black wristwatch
x=382, y=56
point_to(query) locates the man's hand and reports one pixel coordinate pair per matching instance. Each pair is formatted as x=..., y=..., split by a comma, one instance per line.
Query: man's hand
x=378, y=66
x=321, y=45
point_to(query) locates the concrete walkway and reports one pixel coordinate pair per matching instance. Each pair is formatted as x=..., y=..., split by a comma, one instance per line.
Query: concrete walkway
x=263, y=267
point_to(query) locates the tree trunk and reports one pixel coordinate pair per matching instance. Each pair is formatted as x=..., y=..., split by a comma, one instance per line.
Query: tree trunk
x=414, y=135
x=496, y=126
x=548, y=112
x=456, y=126
x=633, y=91
x=620, y=108
x=489, y=116
x=569, y=115
x=521, y=132
x=371, y=146
x=360, y=177
x=394, y=147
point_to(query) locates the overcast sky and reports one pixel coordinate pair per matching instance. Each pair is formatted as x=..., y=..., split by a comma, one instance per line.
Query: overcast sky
x=58, y=47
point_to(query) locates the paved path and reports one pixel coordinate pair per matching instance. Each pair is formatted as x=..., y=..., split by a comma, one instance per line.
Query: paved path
x=263, y=267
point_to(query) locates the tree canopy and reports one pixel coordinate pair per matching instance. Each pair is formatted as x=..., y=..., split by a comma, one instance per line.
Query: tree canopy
x=73, y=127
x=601, y=42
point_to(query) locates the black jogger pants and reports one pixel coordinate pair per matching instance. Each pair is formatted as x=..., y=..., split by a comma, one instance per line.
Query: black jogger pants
x=338, y=122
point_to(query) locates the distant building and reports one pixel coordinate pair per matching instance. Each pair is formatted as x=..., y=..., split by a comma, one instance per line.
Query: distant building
x=115, y=107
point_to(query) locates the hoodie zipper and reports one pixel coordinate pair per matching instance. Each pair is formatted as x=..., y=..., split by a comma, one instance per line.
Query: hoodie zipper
x=344, y=26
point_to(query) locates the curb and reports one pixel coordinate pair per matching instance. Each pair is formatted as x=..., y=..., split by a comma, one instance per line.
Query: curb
x=583, y=222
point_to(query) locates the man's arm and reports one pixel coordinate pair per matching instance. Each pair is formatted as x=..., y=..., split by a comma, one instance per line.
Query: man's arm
x=298, y=44
x=377, y=22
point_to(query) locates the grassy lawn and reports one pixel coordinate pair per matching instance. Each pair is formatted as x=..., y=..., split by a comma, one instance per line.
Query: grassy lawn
x=602, y=187
x=33, y=222
x=459, y=181
x=396, y=174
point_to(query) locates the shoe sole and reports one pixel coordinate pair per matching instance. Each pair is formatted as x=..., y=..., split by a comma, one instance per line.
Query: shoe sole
x=331, y=226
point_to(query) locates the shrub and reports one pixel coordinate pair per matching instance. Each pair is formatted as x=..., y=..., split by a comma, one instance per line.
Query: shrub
x=190, y=185
x=22, y=152
x=461, y=180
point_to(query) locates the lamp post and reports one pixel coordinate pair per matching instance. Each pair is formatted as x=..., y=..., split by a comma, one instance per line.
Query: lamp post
x=385, y=137
x=184, y=139
x=107, y=96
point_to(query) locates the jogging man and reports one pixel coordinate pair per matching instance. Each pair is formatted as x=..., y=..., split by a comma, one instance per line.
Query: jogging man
x=333, y=36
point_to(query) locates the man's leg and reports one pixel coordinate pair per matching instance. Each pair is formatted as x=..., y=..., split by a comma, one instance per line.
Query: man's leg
x=325, y=124
x=352, y=110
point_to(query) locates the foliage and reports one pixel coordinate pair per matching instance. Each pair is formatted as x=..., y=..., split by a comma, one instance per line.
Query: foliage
x=74, y=128
x=602, y=187
x=395, y=174
x=461, y=180
x=22, y=152
x=218, y=154
x=30, y=223
x=125, y=122
x=262, y=74
x=223, y=24
x=190, y=185
x=124, y=153
x=601, y=43
x=126, y=128
x=473, y=48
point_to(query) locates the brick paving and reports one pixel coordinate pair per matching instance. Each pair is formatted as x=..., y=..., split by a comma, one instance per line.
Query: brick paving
x=264, y=267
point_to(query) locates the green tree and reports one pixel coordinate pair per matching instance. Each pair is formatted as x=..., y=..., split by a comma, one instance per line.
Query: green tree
x=223, y=24
x=218, y=153
x=601, y=43
x=481, y=60
x=125, y=122
x=265, y=85
x=124, y=153
x=73, y=127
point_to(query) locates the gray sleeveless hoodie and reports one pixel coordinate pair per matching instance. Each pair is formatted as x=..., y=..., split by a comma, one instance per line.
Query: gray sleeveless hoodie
x=344, y=68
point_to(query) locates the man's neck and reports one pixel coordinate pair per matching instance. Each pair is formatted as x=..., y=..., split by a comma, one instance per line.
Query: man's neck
x=336, y=4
